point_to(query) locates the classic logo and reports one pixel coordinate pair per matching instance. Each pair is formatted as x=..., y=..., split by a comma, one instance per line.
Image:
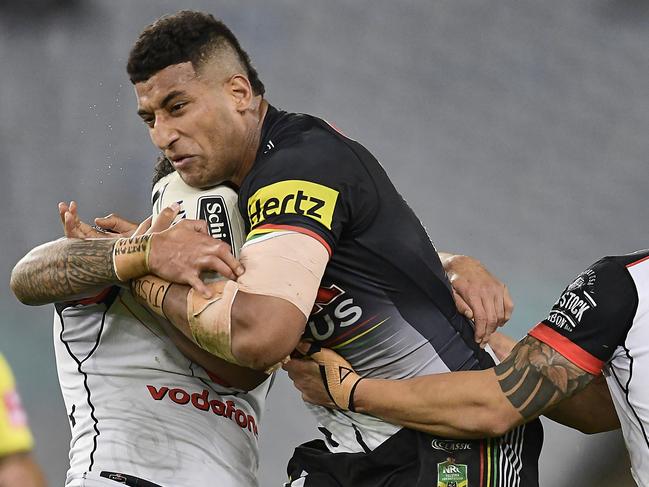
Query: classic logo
x=295, y=197
x=450, y=446
x=213, y=210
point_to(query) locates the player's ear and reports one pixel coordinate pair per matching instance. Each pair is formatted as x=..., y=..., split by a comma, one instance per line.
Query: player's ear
x=241, y=91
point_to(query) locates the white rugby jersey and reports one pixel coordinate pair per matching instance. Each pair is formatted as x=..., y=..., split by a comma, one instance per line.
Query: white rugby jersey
x=601, y=323
x=139, y=407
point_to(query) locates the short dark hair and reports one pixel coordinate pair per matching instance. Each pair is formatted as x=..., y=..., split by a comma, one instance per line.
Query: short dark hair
x=181, y=37
x=162, y=167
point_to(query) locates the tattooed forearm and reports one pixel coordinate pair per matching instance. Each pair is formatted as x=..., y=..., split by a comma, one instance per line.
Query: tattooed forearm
x=535, y=377
x=63, y=270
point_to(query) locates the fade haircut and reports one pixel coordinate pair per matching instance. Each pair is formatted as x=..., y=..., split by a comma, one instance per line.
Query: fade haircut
x=186, y=36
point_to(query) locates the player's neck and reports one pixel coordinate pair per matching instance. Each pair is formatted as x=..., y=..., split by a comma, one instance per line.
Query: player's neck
x=252, y=144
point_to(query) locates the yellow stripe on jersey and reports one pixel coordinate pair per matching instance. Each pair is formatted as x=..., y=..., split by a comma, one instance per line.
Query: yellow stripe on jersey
x=360, y=335
x=14, y=433
x=293, y=197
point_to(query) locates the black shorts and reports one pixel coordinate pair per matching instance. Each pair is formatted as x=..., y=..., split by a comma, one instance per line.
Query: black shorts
x=415, y=459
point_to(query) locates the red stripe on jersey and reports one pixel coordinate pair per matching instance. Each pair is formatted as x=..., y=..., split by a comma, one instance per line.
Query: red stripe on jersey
x=482, y=463
x=637, y=262
x=304, y=231
x=573, y=352
x=94, y=299
x=217, y=379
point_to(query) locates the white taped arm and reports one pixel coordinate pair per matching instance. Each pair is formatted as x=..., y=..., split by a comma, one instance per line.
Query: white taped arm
x=276, y=295
x=258, y=320
x=287, y=266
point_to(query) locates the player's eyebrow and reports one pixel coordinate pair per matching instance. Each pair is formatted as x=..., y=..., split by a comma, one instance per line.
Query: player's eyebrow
x=165, y=101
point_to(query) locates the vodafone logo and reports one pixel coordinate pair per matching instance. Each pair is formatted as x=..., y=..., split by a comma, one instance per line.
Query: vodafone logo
x=227, y=409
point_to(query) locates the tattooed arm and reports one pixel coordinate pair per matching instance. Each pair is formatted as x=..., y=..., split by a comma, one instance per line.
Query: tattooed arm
x=590, y=410
x=532, y=380
x=468, y=404
x=71, y=268
x=64, y=270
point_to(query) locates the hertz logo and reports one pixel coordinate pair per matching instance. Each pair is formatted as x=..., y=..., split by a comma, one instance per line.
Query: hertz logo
x=294, y=197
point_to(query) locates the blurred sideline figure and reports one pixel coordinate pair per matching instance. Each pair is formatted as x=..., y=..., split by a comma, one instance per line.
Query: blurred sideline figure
x=17, y=465
x=147, y=407
x=596, y=335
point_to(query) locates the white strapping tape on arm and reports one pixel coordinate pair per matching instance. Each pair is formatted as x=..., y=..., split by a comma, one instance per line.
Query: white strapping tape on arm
x=288, y=266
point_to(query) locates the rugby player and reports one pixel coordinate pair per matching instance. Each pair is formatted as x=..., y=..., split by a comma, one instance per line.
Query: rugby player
x=599, y=325
x=333, y=253
x=141, y=412
x=17, y=466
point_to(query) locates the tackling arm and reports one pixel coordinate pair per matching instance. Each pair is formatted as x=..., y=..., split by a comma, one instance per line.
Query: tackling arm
x=64, y=270
x=70, y=268
x=531, y=381
x=590, y=410
x=469, y=404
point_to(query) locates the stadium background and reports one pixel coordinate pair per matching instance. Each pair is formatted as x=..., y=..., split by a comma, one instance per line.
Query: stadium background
x=518, y=131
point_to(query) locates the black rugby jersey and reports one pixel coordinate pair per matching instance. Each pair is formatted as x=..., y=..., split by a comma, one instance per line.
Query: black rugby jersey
x=601, y=323
x=384, y=303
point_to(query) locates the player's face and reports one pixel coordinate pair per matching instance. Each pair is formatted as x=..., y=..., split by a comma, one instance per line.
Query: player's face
x=194, y=121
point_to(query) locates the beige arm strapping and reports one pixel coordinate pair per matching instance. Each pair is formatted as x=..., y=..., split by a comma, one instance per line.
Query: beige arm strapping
x=131, y=257
x=210, y=319
x=287, y=266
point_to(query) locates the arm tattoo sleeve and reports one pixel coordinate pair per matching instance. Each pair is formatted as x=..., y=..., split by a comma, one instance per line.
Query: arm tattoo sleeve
x=535, y=377
x=64, y=270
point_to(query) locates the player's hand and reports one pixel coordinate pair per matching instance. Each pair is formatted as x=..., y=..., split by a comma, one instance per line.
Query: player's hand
x=107, y=227
x=73, y=226
x=323, y=377
x=478, y=295
x=114, y=223
x=501, y=344
x=182, y=252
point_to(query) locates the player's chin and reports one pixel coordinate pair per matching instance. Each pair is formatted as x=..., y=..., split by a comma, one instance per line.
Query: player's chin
x=192, y=177
x=197, y=177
